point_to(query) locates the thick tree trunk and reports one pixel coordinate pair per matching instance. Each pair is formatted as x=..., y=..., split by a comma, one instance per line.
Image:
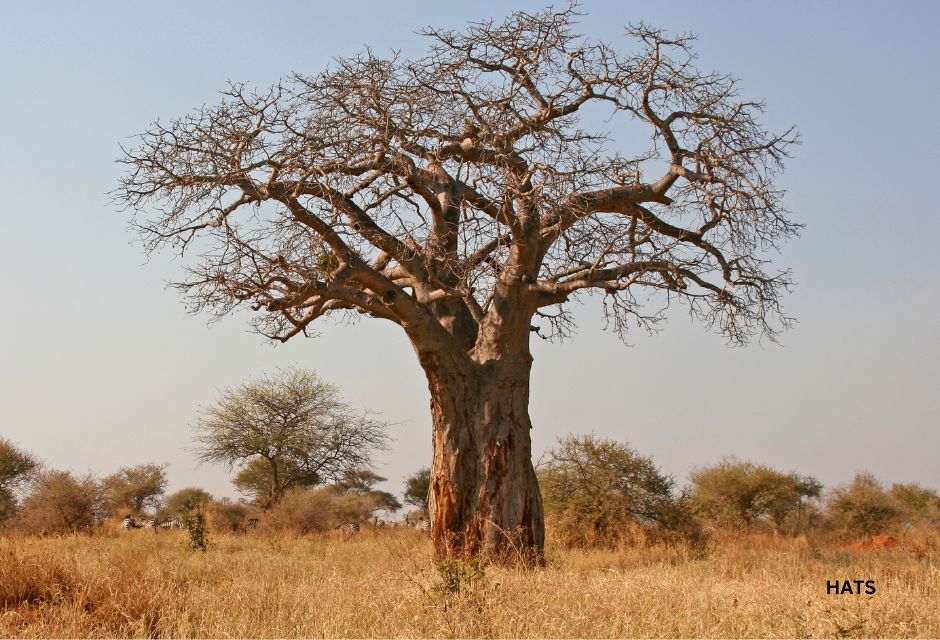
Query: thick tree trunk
x=484, y=496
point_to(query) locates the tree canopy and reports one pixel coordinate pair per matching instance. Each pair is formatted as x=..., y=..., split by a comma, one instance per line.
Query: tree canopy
x=412, y=189
x=417, y=488
x=138, y=488
x=864, y=505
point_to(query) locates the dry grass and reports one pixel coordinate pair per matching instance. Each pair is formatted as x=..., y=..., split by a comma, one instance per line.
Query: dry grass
x=138, y=584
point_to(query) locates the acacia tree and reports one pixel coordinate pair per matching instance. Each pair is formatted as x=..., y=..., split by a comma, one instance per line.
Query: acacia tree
x=287, y=430
x=417, y=488
x=136, y=488
x=469, y=198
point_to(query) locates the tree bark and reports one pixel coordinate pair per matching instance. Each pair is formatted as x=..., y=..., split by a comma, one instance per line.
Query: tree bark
x=484, y=496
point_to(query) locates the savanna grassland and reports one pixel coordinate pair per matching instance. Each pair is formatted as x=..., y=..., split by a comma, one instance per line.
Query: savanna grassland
x=385, y=584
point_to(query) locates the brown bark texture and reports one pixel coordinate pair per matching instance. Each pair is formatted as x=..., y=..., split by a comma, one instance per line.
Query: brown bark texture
x=484, y=496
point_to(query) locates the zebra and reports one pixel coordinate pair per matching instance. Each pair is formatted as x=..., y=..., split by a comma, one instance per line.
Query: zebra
x=129, y=523
x=349, y=527
x=424, y=526
x=171, y=523
x=251, y=523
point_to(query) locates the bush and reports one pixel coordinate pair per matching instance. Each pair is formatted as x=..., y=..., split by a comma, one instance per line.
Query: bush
x=735, y=493
x=226, y=515
x=16, y=469
x=593, y=489
x=301, y=511
x=863, y=506
x=59, y=502
x=195, y=524
x=183, y=501
x=918, y=505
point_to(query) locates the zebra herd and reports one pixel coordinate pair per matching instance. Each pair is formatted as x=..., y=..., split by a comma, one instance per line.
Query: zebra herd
x=168, y=523
x=423, y=525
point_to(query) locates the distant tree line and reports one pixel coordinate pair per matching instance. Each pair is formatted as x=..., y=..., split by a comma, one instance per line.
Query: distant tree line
x=603, y=492
x=303, y=460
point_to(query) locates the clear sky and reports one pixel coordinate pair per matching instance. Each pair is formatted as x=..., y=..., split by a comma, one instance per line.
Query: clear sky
x=101, y=367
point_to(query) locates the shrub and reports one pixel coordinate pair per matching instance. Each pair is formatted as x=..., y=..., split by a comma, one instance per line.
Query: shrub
x=593, y=488
x=302, y=511
x=60, y=502
x=195, y=523
x=226, y=515
x=184, y=501
x=863, y=506
x=735, y=493
x=16, y=469
x=918, y=505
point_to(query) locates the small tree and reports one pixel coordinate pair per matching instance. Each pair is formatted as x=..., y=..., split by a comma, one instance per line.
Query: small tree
x=16, y=469
x=287, y=430
x=594, y=487
x=417, y=488
x=139, y=488
x=735, y=493
x=60, y=502
x=863, y=506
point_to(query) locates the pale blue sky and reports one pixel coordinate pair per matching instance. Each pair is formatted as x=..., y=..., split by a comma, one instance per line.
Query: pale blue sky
x=100, y=366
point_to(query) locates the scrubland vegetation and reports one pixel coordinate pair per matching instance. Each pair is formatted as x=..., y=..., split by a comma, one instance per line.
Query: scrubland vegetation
x=743, y=551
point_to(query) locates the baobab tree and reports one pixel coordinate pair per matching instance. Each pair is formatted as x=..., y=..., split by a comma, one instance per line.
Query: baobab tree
x=469, y=198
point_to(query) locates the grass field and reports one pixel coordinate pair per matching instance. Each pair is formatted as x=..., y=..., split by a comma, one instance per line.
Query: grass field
x=385, y=584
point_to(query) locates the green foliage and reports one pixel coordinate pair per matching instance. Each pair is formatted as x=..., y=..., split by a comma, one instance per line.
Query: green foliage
x=287, y=430
x=137, y=488
x=593, y=487
x=195, y=523
x=417, y=488
x=863, y=506
x=736, y=493
x=456, y=575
